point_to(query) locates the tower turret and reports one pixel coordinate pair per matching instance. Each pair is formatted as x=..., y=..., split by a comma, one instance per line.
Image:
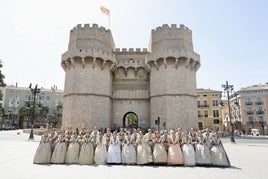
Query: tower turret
x=88, y=82
x=173, y=65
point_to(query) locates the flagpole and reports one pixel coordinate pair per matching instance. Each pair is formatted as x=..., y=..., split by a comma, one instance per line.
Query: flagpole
x=109, y=21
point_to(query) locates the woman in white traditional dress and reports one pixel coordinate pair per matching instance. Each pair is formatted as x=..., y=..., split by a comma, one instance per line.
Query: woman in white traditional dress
x=202, y=153
x=43, y=152
x=114, y=151
x=59, y=154
x=165, y=140
x=218, y=154
x=86, y=156
x=107, y=136
x=73, y=149
x=128, y=151
x=207, y=136
x=159, y=152
x=135, y=136
x=175, y=156
x=121, y=136
x=53, y=139
x=100, y=156
x=144, y=152
x=188, y=150
x=149, y=136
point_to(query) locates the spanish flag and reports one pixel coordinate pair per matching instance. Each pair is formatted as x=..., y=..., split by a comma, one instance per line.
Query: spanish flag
x=105, y=10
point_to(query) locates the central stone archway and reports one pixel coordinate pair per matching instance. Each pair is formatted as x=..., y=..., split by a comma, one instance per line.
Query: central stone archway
x=130, y=120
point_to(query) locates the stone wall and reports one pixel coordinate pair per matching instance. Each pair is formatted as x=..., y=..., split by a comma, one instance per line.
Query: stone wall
x=122, y=106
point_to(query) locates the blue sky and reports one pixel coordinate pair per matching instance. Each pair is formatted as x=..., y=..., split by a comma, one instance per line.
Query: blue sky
x=230, y=36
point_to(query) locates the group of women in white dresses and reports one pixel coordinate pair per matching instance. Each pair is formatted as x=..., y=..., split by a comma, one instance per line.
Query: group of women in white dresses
x=189, y=148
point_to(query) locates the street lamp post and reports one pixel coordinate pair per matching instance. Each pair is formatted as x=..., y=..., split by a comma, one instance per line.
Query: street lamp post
x=34, y=91
x=229, y=88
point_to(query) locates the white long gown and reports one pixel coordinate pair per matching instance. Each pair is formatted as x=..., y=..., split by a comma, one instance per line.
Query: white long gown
x=218, y=154
x=43, y=152
x=100, y=156
x=59, y=153
x=144, y=151
x=202, y=153
x=128, y=151
x=114, y=151
x=86, y=155
x=188, y=152
x=73, y=151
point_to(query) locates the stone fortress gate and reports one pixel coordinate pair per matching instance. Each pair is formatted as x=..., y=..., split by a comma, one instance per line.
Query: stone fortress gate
x=110, y=87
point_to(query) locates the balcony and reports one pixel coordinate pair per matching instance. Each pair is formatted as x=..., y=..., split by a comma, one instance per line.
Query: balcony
x=262, y=122
x=249, y=103
x=199, y=115
x=259, y=103
x=260, y=112
x=256, y=122
x=250, y=112
x=205, y=105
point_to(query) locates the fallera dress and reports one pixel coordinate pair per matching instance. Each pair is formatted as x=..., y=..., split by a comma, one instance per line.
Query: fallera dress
x=175, y=156
x=100, y=156
x=59, y=154
x=144, y=151
x=114, y=151
x=218, y=154
x=188, y=151
x=128, y=151
x=73, y=151
x=86, y=156
x=202, y=153
x=43, y=152
x=159, y=152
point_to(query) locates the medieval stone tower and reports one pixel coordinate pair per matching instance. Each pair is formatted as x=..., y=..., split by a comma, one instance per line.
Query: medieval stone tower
x=104, y=84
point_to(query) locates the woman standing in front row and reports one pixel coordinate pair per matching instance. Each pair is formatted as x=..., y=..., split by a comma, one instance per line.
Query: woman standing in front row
x=43, y=152
x=188, y=150
x=144, y=152
x=202, y=153
x=175, y=156
x=128, y=151
x=86, y=156
x=59, y=154
x=73, y=149
x=100, y=157
x=218, y=154
x=159, y=152
x=114, y=151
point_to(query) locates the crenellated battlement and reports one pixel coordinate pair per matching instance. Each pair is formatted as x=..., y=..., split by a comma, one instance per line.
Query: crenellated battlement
x=166, y=37
x=88, y=27
x=171, y=27
x=89, y=37
x=131, y=50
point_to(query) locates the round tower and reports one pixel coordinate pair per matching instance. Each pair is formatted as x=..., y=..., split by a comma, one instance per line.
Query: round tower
x=88, y=81
x=173, y=65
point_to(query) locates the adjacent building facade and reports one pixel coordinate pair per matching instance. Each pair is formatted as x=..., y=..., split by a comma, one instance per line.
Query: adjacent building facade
x=209, y=109
x=14, y=98
x=249, y=108
x=104, y=84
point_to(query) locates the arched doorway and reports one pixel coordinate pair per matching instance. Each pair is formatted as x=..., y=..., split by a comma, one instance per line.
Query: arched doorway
x=130, y=120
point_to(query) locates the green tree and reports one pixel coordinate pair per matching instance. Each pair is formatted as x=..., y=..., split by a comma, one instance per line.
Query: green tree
x=2, y=84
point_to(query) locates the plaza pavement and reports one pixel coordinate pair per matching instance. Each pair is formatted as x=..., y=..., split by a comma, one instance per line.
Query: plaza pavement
x=249, y=159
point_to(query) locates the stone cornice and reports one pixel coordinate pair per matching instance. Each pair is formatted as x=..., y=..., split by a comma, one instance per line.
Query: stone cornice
x=162, y=95
x=87, y=94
